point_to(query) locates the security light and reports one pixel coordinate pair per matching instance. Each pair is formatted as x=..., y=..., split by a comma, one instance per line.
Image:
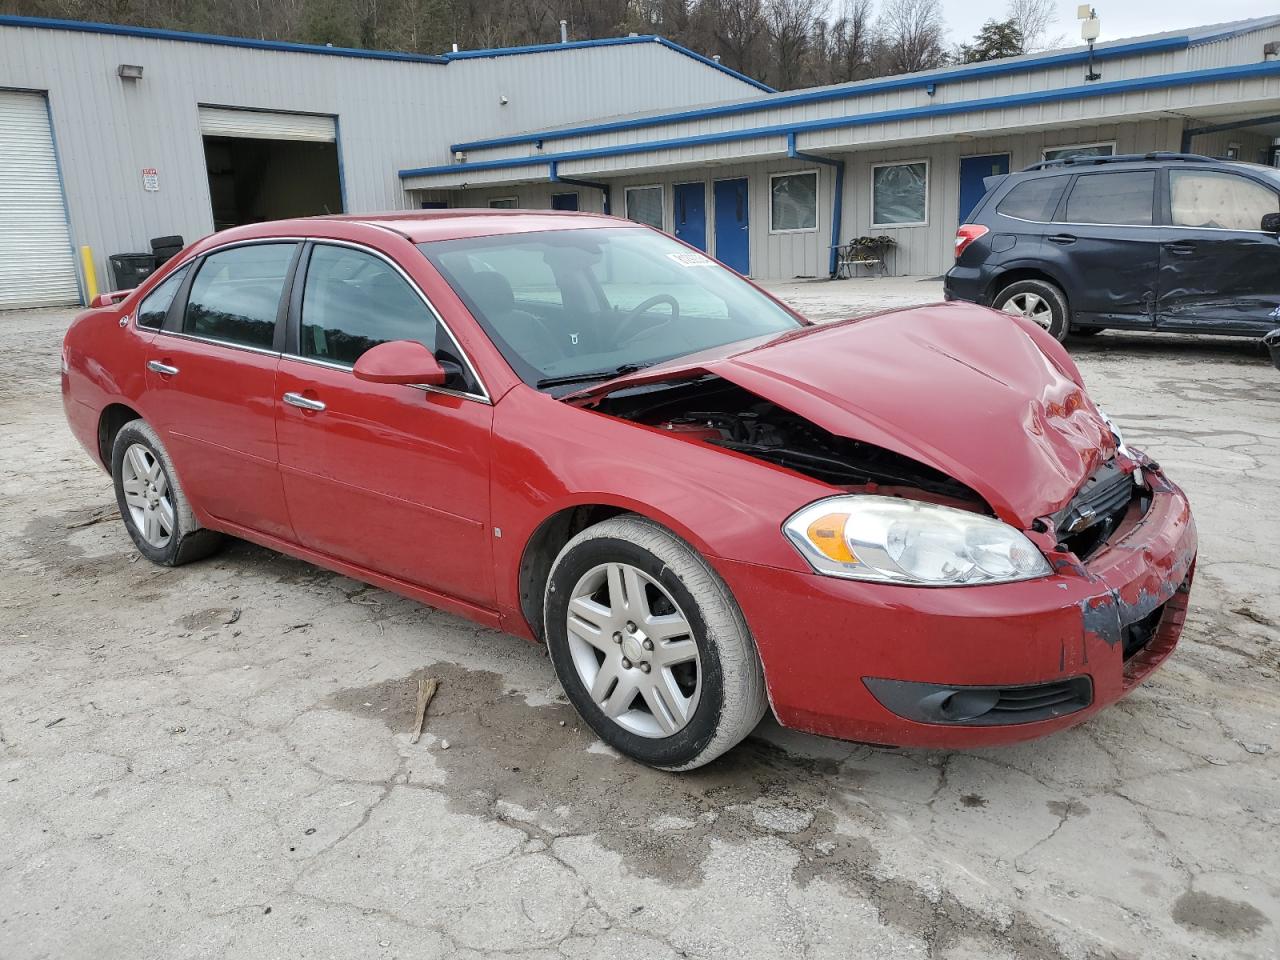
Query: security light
x=129, y=71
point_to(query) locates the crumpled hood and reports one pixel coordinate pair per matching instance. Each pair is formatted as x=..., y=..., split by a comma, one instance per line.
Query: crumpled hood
x=989, y=399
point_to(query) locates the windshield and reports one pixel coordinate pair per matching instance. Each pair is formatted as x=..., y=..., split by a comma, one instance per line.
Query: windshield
x=570, y=306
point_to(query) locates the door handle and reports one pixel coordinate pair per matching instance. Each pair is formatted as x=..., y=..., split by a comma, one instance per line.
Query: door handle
x=1062, y=238
x=156, y=366
x=303, y=403
x=1181, y=248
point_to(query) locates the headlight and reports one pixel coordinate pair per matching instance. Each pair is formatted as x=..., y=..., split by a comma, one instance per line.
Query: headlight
x=905, y=541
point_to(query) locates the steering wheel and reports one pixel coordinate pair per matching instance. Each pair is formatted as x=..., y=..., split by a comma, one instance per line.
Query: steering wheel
x=636, y=323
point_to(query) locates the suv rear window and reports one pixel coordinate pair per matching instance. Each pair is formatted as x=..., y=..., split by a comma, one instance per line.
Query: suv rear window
x=1033, y=199
x=1116, y=198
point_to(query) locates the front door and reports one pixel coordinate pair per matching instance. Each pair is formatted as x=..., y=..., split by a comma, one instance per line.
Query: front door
x=1218, y=270
x=691, y=214
x=211, y=379
x=973, y=171
x=733, y=239
x=388, y=477
x=1107, y=248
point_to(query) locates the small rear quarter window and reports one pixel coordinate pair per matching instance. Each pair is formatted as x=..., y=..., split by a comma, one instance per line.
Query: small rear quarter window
x=1033, y=199
x=155, y=305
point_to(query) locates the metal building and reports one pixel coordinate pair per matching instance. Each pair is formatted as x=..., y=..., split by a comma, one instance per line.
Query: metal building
x=771, y=182
x=112, y=136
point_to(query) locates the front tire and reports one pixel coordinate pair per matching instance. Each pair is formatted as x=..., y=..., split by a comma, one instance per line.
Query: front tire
x=152, y=504
x=650, y=646
x=1039, y=301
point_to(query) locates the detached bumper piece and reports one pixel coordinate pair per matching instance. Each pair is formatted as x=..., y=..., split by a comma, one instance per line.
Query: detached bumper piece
x=981, y=706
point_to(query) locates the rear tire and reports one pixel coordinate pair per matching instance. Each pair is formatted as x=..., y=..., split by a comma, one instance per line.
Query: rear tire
x=1039, y=301
x=650, y=646
x=151, y=500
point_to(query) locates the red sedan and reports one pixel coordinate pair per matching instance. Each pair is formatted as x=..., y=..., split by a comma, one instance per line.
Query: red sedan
x=912, y=528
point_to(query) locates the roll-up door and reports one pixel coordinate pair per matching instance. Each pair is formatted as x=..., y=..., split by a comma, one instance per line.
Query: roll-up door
x=261, y=125
x=37, y=265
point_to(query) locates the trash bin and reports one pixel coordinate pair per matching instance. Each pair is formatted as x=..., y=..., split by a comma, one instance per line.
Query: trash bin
x=130, y=269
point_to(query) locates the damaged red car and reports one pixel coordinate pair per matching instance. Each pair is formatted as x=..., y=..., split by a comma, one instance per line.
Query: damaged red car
x=912, y=528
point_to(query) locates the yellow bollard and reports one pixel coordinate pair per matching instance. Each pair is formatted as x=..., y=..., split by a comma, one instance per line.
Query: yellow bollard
x=90, y=274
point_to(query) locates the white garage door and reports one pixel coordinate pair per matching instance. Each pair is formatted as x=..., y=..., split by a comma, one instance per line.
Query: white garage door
x=262, y=125
x=37, y=266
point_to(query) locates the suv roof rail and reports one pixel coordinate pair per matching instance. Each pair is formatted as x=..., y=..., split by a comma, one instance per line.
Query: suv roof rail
x=1120, y=158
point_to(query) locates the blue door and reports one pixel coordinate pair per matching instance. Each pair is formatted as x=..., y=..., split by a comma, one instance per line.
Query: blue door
x=973, y=170
x=733, y=238
x=564, y=201
x=691, y=214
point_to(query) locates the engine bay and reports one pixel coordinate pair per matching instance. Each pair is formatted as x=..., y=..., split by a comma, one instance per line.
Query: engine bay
x=714, y=411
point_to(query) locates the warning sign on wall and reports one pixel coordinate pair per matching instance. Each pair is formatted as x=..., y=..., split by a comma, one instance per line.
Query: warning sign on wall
x=150, y=179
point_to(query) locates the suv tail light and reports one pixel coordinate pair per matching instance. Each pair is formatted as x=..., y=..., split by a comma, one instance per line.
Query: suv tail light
x=968, y=233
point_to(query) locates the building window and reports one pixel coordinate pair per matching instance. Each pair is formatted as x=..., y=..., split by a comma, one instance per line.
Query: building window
x=900, y=194
x=504, y=203
x=644, y=205
x=793, y=202
x=1107, y=149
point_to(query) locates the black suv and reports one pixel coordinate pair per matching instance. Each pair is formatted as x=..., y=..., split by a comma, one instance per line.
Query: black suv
x=1161, y=241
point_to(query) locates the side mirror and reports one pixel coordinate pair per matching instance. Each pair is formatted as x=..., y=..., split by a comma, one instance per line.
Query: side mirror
x=108, y=299
x=1271, y=223
x=400, y=361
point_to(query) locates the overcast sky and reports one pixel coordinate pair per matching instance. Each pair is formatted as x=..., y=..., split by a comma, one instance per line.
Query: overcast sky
x=1120, y=18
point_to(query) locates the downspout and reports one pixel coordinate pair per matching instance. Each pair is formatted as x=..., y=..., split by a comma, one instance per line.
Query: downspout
x=837, y=205
x=572, y=181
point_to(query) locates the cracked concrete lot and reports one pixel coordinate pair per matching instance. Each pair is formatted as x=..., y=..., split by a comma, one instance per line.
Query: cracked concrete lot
x=214, y=761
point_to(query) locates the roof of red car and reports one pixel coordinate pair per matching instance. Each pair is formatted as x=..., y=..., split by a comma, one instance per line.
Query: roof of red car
x=422, y=226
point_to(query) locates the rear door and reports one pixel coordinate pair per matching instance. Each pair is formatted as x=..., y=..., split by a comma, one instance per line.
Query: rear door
x=1108, y=247
x=211, y=376
x=388, y=477
x=1218, y=271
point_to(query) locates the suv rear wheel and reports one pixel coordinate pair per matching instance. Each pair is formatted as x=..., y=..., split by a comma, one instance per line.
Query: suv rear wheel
x=1040, y=302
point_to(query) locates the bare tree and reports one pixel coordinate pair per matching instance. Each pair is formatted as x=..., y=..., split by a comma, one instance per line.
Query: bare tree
x=849, y=48
x=738, y=27
x=1033, y=19
x=911, y=35
x=790, y=26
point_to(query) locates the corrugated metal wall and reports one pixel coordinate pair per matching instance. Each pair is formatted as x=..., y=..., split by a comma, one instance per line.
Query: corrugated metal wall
x=390, y=114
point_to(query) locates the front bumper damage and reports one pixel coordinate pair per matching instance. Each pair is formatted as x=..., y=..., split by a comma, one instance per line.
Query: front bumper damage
x=972, y=666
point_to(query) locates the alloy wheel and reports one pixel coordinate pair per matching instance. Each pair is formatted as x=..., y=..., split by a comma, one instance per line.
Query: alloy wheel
x=634, y=651
x=1032, y=306
x=147, y=495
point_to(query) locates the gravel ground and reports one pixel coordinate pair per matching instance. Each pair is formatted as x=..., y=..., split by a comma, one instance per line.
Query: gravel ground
x=214, y=761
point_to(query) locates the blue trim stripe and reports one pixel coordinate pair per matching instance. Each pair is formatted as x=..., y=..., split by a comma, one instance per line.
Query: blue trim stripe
x=846, y=92
x=1138, y=84
x=182, y=36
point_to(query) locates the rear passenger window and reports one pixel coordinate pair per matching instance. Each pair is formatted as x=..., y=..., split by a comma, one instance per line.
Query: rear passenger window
x=1033, y=199
x=236, y=294
x=1117, y=198
x=353, y=301
x=156, y=303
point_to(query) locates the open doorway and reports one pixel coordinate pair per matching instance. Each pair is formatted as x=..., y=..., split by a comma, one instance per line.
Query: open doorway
x=252, y=180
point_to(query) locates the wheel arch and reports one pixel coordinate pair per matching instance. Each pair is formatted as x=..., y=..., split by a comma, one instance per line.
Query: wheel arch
x=548, y=538
x=113, y=417
x=1018, y=272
